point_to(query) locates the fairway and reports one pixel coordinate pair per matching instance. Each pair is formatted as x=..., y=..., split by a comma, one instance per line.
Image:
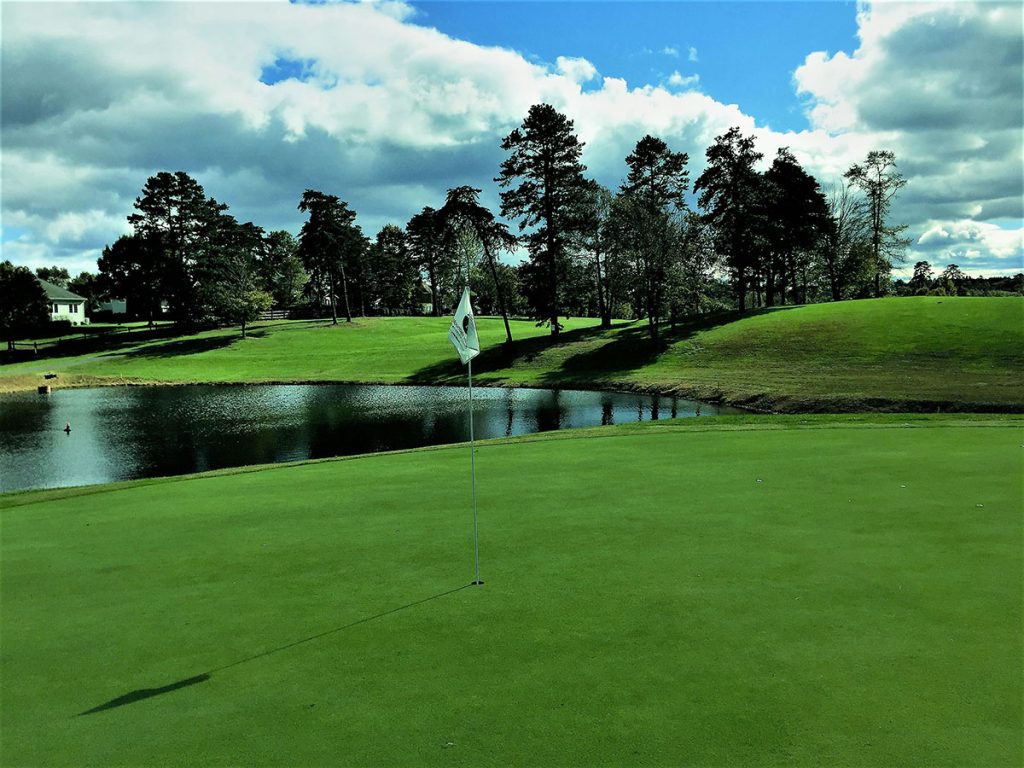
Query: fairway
x=896, y=354
x=788, y=592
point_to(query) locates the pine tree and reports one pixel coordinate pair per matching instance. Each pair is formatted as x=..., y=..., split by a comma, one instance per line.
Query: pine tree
x=729, y=193
x=543, y=178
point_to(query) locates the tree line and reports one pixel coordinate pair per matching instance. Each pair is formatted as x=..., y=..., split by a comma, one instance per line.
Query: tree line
x=756, y=239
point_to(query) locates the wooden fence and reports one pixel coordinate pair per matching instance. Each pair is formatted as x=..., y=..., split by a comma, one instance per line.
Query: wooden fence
x=81, y=339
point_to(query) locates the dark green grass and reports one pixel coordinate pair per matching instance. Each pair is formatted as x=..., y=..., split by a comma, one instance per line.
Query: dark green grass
x=921, y=353
x=799, y=594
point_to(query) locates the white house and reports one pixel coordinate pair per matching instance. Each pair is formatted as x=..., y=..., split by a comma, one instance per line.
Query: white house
x=64, y=305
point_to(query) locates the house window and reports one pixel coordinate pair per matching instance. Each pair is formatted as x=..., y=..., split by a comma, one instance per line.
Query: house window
x=55, y=309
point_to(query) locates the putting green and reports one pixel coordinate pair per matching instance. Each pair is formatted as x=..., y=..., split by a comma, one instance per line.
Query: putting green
x=665, y=594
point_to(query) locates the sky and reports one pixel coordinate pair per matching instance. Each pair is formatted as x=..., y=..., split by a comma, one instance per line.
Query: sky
x=388, y=104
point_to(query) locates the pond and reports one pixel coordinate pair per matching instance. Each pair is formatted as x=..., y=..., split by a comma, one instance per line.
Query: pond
x=123, y=433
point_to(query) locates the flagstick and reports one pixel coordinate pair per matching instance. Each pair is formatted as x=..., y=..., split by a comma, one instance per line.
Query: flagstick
x=472, y=464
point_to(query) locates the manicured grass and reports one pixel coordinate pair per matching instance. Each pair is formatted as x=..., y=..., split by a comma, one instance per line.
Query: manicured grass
x=783, y=592
x=921, y=353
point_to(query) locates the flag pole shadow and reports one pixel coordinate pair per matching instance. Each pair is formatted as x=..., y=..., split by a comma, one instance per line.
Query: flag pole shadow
x=141, y=694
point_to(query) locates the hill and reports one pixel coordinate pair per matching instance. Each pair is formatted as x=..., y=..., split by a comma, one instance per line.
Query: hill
x=918, y=353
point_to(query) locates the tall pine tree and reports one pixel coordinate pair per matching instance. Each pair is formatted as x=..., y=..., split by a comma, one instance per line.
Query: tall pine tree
x=328, y=239
x=543, y=177
x=729, y=195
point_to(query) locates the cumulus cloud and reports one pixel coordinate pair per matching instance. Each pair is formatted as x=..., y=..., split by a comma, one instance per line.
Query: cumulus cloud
x=677, y=80
x=388, y=115
x=940, y=85
x=578, y=70
x=692, y=55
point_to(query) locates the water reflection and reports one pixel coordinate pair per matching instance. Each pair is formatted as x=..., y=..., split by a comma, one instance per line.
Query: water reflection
x=125, y=433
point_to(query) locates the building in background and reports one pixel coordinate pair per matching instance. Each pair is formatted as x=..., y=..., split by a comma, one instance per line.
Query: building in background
x=64, y=305
x=116, y=307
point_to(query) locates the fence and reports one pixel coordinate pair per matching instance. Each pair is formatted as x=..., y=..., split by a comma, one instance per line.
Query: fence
x=81, y=340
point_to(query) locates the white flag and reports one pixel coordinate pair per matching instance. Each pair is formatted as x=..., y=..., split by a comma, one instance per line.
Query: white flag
x=462, y=334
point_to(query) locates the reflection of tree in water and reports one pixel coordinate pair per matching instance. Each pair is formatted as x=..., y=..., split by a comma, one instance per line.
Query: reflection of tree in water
x=152, y=431
x=549, y=415
x=25, y=414
x=510, y=412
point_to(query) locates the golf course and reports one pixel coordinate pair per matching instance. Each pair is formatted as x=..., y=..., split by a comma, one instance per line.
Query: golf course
x=897, y=354
x=796, y=589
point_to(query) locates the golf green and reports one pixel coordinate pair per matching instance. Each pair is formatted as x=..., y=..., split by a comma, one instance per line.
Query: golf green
x=797, y=593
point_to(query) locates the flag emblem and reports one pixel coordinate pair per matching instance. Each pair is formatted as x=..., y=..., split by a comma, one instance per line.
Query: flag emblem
x=462, y=334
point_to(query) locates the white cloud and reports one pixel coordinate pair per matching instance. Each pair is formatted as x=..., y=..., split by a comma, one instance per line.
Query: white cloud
x=677, y=80
x=390, y=114
x=668, y=50
x=972, y=245
x=940, y=85
x=578, y=70
x=692, y=54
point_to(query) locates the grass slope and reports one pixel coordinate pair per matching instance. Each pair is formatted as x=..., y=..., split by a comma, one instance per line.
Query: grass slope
x=663, y=594
x=912, y=353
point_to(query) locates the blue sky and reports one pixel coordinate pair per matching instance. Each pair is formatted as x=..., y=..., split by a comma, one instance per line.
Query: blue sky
x=746, y=51
x=389, y=104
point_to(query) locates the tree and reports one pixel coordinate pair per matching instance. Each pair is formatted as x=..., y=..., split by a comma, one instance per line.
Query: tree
x=843, y=251
x=433, y=254
x=462, y=213
x=729, y=188
x=542, y=179
x=651, y=227
x=55, y=275
x=795, y=218
x=394, y=273
x=327, y=239
x=178, y=223
x=697, y=262
x=87, y=285
x=657, y=177
x=23, y=304
x=132, y=268
x=922, y=278
x=230, y=286
x=491, y=296
x=953, y=278
x=280, y=269
x=594, y=239
x=879, y=180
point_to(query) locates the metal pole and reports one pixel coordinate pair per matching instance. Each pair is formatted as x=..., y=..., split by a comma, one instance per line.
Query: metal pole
x=472, y=463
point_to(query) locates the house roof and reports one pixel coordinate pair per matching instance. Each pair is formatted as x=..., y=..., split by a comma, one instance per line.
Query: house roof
x=56, y=292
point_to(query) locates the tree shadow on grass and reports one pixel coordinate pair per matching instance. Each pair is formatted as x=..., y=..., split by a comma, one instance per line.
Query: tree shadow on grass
x=627, y=347
x=181, y=348
x=107, y=343
x=632, y=348
x=501, y=356
x=140, y=694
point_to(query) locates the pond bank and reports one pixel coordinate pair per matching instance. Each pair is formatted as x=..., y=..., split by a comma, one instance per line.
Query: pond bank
x=756, y=402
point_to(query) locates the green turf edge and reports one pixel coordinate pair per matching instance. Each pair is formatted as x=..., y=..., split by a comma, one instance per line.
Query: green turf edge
x=751, y=423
